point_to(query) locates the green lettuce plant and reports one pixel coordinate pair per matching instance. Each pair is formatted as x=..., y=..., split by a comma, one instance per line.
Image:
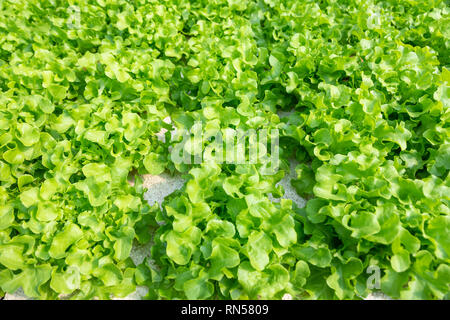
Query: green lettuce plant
x=85, y=86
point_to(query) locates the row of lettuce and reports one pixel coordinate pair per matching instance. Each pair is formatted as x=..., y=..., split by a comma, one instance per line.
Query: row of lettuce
x=85, y=88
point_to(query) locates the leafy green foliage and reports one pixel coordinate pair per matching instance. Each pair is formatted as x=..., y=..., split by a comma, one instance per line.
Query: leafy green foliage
x=85, y=91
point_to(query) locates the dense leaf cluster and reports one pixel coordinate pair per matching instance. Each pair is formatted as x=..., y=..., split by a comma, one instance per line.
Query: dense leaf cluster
x=85, y=86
